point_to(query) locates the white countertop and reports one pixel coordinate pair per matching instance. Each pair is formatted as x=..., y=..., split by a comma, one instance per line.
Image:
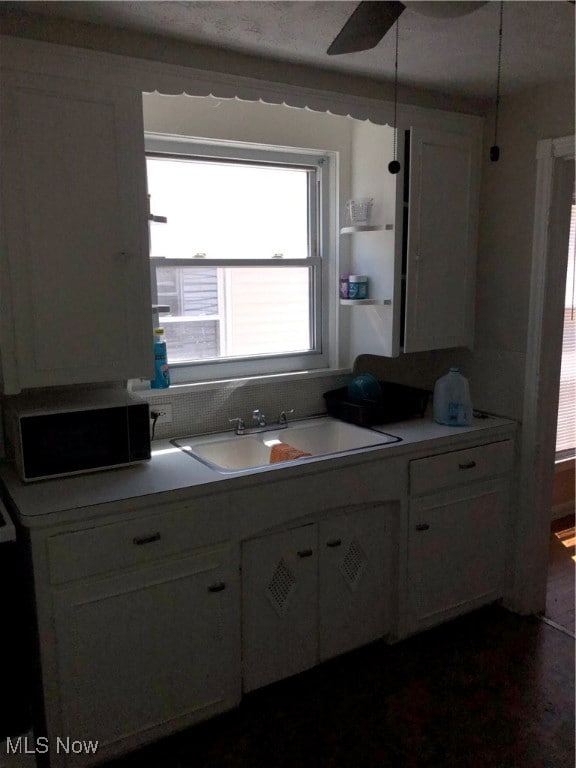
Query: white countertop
x=170, y=469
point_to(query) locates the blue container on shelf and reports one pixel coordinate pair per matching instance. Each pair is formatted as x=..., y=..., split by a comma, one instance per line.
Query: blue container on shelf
x=357, y=287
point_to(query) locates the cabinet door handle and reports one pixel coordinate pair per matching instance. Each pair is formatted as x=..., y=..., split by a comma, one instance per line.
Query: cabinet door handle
x=140, y=540
x=422, y=527
x=305, y=553
x=334, y=543
x=218, y=587
x=467, y=465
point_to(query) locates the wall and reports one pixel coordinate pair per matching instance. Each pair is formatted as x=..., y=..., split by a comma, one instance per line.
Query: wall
x=505, y=246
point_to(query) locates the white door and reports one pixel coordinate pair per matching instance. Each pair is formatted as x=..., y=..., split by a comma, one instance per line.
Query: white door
x=279, y=606
x=456, y=550
x=148, y=648
x=75, y=232
x=354, y=587
x=442, y=234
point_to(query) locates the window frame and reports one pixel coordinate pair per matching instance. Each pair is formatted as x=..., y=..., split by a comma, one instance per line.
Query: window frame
x=322, y=197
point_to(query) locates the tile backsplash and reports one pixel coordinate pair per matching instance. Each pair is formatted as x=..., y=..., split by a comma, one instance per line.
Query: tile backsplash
x=209, y=409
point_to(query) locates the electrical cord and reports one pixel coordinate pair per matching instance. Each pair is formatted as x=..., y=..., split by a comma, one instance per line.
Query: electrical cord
x=154, y=416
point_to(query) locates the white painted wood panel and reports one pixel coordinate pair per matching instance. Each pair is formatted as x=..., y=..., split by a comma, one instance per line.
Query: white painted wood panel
x=441, y=240
x=461, y=467
x=354, y=582
x=132, y=543
x=75, y=200
x=148, y=648
x=456, y=549
x=279, y=606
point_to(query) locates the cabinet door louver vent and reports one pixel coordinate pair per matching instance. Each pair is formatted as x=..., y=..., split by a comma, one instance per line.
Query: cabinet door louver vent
x=353, y=565
x=281, y=587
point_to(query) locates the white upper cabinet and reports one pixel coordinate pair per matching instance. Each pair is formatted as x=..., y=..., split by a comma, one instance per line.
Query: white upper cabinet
x=441, y=241
x=76, y=305
x=422, y=269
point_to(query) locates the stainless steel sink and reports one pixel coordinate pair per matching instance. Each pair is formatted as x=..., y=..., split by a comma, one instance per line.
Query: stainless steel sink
x=314, y=437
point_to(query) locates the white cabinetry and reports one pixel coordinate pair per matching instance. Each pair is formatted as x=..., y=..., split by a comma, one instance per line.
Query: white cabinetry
x=458, y=529
x=314, y=592
x=279, y=605
x=76, y=297
x=147, y=633
x=152, y=617
x=441, y=240
x=355, y=556
x=425, y=268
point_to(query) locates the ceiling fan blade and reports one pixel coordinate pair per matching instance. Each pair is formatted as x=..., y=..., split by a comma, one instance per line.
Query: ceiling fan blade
x=366, y=27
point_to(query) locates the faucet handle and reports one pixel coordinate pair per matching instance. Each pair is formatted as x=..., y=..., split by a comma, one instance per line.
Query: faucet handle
x=283, y=418
x=240, y=426
x=259, y=417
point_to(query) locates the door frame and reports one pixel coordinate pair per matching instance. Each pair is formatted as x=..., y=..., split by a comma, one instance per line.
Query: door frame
x=542, y=371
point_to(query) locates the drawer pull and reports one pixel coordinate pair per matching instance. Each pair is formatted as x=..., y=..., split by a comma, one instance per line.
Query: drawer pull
x=140, y=540
x=467, y=465
x=334, y=543
x=422, y=527
x=218, y=587
x=305, y=553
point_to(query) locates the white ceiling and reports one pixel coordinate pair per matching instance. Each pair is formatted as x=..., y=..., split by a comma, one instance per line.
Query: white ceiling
x=453, y=55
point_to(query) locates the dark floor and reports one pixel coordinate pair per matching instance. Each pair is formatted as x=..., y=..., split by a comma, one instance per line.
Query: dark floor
x=489, y=690
x=561, y=571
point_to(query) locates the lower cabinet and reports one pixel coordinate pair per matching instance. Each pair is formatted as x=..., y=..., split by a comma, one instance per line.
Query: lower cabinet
x=457, y=537
x=313, y=592
x=148, y=648
x=154, y=622
x=355, y=555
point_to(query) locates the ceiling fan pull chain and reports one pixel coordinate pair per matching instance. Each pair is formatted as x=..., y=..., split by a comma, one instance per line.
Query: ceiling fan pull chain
x=495, y=149
x=394, y=166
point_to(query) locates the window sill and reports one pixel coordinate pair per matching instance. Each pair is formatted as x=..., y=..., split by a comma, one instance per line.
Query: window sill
x=143, y=390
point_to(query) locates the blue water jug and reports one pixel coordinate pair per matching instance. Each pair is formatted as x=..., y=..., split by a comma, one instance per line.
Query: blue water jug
x=161, y=378
x=452, y=404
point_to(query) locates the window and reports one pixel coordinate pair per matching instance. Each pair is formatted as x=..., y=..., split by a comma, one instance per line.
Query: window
x=240, y=260
x=566, y=430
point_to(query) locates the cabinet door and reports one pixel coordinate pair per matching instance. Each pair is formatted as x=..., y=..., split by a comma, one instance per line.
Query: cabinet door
x=75, y=234
x=456, y=550
x=149, y=651
x=279, y=606
x=354, y=586
x=442, y=234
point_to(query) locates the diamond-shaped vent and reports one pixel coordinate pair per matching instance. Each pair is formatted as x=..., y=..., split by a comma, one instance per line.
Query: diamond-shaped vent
x=280, y=588
x=354, y=564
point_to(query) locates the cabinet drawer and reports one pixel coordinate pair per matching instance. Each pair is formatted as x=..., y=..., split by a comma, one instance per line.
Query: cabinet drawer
x=460, y=467
x=118, y=546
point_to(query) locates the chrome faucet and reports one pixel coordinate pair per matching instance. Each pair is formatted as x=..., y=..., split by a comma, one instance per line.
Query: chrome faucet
x=240, y=426
x=283, y=418
x=259, y=417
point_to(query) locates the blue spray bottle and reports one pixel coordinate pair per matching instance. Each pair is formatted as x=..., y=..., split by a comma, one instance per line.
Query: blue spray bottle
x=162, y=373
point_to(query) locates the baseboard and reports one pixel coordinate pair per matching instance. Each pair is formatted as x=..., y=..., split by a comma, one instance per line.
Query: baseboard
x=559, y=627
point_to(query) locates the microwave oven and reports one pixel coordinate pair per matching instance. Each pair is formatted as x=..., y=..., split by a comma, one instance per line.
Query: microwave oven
x=55, y=435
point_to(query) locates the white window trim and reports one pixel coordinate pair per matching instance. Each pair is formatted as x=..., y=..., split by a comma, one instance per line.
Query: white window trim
x=325, y=356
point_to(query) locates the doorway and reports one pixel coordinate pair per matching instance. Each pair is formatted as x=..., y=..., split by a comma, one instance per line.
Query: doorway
x=554, y=189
